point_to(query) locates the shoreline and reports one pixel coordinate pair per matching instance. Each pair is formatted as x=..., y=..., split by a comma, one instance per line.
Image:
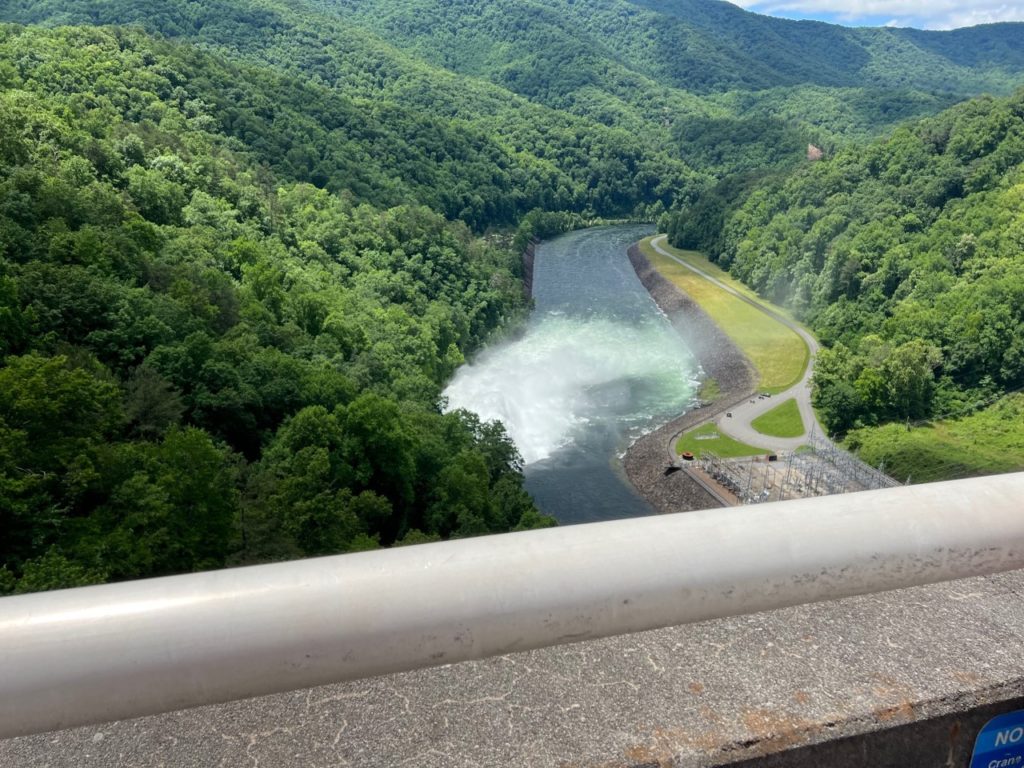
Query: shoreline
x=719, y=358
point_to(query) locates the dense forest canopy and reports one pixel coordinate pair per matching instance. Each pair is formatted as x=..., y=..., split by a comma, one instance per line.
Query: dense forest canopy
x=326, y=102
x=904, y=255
x=692, y=81
x=204, y=363
x=679, y=70
x=244, y=243
x=701, y=46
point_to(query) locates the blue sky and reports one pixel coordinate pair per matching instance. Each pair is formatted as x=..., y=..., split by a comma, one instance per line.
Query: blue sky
x=924, y=14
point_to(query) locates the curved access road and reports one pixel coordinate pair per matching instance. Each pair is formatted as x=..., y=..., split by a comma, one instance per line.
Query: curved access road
x=738, y=426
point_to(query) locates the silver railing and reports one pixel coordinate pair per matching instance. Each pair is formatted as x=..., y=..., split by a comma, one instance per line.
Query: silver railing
x=117, y=651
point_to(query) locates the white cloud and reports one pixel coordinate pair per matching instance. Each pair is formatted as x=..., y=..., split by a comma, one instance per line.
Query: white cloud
x=968, y=17
x=928, y=14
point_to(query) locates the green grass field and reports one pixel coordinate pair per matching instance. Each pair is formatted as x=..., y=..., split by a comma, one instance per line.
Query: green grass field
x=699, y=260
x=781, y=421
x=723, y=446
x=779, y=355
x=988, y=442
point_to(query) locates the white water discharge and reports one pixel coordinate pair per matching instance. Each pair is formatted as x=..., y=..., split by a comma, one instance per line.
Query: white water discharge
x=567, y=373
x=597, y=365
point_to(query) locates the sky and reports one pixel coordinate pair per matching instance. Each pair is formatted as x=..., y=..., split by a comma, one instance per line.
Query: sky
x=923, y=14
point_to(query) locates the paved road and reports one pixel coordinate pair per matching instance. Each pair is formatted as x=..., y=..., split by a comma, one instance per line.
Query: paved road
x=738, y=425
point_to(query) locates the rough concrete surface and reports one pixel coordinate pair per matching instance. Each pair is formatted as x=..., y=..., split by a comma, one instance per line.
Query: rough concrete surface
x=828, y=684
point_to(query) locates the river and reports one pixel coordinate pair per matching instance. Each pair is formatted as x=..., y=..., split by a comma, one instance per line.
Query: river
x=597, y=365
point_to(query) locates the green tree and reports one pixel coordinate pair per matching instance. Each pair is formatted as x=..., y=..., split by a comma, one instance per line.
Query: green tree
x=910, y=379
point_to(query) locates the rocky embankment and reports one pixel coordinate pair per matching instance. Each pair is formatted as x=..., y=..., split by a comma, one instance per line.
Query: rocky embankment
x=720, y=359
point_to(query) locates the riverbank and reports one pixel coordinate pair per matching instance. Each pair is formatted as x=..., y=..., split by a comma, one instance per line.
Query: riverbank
x=721, y=361
x=594, y=365
x=775, y=348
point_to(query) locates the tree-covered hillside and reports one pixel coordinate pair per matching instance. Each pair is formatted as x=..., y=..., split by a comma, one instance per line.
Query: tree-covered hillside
x=326, y=102
x=645, y=62
x=203, y=363
x=701, y=83
x=701, y=46
x=244, y=243
x=904, y=255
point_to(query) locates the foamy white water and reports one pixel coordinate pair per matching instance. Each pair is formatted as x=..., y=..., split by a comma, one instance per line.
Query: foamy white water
x=565, y=373
x=597, y=365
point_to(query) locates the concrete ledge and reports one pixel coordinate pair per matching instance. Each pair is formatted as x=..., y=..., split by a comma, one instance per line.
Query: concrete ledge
x=902, y=678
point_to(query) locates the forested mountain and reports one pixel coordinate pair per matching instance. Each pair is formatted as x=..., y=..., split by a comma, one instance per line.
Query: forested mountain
x=326, y=102
x=244, y=243
x=203, y=363
x=699, y=81
x=904, y=255
x=701, y=46
x=759, y=78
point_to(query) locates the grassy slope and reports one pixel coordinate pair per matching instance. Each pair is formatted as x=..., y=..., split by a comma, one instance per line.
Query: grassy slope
x=723, y=446
x=988, y=442
x=781, y=421
x=779, y=355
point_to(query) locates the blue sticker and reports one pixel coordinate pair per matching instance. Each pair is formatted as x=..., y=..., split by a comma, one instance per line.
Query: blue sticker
x=1001, y=742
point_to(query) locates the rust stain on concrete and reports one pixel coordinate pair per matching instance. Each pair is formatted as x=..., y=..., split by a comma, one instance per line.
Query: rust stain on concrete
x=666, y=744
x=648, y=756
x=769, y=731
x=896, y=701
x=903, y=711
x=775, y=730
x=674, y=740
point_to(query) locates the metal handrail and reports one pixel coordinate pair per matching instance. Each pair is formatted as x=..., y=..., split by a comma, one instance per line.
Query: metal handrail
x=116, y=651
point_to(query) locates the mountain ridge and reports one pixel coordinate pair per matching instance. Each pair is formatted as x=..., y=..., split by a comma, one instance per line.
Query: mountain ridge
x=541, y=51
